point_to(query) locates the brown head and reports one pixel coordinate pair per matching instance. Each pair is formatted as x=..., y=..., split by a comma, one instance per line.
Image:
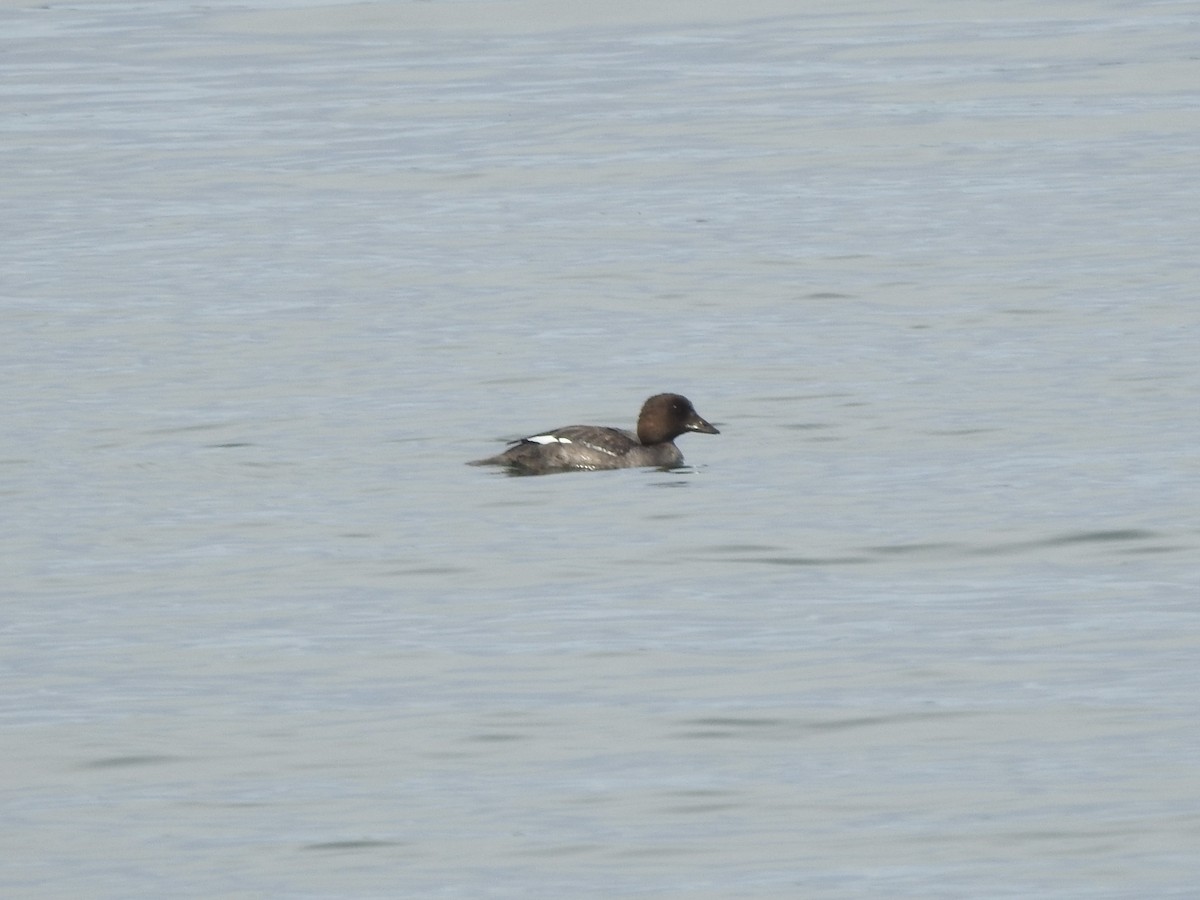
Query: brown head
x=666, y=416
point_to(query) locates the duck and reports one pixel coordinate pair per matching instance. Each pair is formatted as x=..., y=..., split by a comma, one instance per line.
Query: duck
x=663, y=418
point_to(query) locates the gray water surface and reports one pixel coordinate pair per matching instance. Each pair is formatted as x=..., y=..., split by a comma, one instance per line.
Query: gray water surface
x=920, y=622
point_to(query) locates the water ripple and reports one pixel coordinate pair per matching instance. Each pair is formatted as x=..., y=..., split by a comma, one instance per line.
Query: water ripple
x=1124, y=540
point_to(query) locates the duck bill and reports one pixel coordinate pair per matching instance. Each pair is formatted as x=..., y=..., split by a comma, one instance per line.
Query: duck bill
x=695, y=423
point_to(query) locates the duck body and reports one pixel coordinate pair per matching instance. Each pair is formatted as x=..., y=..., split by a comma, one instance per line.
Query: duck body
x=663, y=418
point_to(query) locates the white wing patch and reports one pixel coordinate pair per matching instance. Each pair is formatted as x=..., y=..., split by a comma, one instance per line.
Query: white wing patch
x=548, y=439
x=600, y=449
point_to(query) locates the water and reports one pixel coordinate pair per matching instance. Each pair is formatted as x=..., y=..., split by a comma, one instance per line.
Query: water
x=920, y=622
